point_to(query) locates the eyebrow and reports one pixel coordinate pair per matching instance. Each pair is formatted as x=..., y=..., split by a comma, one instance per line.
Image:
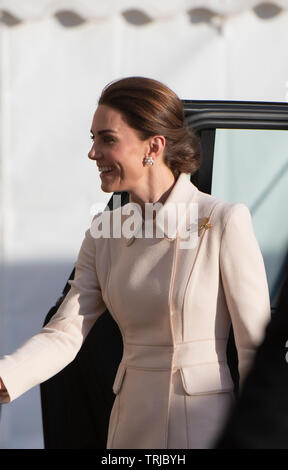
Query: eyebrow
x=103, y=131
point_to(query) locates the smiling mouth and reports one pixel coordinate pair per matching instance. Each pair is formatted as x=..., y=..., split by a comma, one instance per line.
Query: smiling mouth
x=104, y=170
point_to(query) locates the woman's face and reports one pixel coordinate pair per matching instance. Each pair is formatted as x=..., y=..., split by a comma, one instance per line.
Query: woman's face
x=117, y=150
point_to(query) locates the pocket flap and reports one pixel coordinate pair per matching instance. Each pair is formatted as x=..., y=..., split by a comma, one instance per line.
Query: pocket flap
x=206, y=378
x=119, y=378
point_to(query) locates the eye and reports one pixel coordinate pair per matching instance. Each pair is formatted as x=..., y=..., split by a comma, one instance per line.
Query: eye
x=108, y=139
x=91, y=136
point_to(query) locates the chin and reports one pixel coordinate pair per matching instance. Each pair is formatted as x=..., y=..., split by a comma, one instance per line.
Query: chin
x=109, y=187
x=113, y=186
x=106, y=189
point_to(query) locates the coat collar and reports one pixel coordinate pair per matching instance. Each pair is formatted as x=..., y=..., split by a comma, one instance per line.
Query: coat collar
x=183, y=193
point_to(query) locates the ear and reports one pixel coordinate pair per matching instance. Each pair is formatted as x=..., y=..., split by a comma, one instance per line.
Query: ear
x=156, y=145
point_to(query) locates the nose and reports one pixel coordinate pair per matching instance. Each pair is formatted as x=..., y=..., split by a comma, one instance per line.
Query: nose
x=91, y=153
x=94, y=154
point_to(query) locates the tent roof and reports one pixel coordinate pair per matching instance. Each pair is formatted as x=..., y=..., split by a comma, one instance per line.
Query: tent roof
x=91, y=9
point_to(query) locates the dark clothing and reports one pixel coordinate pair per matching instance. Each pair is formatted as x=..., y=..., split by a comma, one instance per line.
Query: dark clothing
x=77, y=402
x=260, y=417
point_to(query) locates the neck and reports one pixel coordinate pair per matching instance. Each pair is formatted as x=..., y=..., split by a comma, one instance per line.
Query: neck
x=156, y=189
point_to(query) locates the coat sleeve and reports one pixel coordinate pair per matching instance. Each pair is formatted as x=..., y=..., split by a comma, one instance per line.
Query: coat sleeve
x=57, y=344
x=245, y=285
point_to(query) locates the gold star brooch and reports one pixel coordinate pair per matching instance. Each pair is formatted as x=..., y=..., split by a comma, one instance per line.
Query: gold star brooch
x=203, y=224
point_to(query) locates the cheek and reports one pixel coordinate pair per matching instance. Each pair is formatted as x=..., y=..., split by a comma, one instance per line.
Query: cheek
x=130, y=160
x=133, y=167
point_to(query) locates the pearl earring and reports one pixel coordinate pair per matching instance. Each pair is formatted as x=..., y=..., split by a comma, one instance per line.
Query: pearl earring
x=148, y=161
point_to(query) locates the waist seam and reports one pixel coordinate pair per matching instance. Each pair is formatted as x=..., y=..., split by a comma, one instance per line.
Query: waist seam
x=128, y=366
x=172, y=346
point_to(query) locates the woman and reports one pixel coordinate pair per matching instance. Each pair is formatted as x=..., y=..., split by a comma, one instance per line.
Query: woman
x=173, y=295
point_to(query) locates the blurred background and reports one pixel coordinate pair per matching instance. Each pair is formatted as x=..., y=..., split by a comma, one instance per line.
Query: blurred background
x=55, y=58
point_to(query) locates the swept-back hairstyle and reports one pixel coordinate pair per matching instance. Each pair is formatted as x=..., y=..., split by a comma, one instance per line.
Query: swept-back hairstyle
x=151, y=108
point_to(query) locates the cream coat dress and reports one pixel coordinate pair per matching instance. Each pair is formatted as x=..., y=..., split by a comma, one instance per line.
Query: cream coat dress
x=174, y=308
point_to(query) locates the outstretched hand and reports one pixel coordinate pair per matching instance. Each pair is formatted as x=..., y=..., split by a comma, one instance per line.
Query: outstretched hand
x=4, y=396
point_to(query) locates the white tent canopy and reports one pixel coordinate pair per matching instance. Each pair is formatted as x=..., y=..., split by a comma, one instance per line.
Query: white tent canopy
x=91, y=9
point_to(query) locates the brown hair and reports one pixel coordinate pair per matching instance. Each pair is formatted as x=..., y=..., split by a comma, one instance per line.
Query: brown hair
x=151, y=108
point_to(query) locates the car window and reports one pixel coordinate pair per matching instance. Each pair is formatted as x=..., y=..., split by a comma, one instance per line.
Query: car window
x=251, y=166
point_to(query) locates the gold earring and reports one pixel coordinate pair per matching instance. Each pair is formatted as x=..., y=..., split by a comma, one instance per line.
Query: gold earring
x=148, y=161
